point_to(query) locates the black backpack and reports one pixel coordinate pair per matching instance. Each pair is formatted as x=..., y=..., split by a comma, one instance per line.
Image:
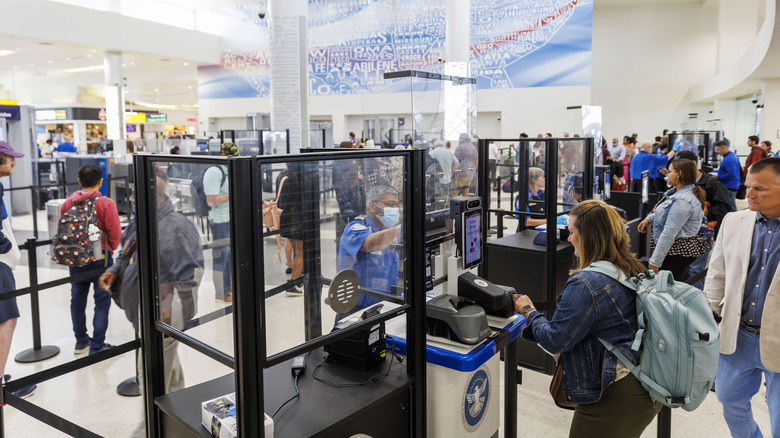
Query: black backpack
x=199, y=202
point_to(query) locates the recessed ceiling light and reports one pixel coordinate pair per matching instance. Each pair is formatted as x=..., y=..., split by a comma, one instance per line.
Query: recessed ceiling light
x=50, y=62
x=186, y=63
x=189, y=87
x=156, y=89
x=88, y=55
x=6, y=52
x=80, y=69
x=94, y=51
x=68, y=58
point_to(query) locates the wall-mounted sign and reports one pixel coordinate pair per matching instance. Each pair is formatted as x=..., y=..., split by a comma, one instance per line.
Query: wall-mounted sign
x=102, y=114
x=9, y=112
x=130, y=128
x=156, y=118
x=50, y=114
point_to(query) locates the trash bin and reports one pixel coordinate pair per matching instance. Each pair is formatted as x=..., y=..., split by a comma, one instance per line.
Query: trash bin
x=53, y=207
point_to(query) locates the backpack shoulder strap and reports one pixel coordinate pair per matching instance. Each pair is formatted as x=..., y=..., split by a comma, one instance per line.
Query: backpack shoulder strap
x=607, y=268
x=644, y=378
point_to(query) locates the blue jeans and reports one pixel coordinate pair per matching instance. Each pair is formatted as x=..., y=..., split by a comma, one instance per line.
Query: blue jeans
x=733, y=199
x=221, y=259
x=697, y=266
x=79, y=291
x=738, y=380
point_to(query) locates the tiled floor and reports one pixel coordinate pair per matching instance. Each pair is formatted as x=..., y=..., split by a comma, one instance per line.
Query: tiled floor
x=88, y=397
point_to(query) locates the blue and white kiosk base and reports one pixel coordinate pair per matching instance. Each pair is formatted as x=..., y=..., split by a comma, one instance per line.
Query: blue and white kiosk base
x=463, y=382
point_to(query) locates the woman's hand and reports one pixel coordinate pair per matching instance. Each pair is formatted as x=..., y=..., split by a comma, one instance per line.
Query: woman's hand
x=642, y=227
x=522, y=301
x=653, y=268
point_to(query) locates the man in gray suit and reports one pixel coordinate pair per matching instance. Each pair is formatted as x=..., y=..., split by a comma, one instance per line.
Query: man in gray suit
x=743, y=287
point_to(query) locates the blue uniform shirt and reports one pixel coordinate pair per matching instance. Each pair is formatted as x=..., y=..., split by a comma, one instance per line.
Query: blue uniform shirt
x=646, y=161
x=728, y=172
x=66, y=147
x=764, y=256
x=377, y=270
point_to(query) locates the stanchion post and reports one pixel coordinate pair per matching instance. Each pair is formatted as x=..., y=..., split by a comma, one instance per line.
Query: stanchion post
x=38, y=352
x=35, y=198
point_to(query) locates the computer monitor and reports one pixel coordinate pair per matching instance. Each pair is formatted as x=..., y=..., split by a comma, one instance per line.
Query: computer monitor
x=472, y=238
x=645, y=187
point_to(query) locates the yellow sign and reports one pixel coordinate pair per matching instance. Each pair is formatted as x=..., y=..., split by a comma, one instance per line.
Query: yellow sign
x=135, y=117
x=11, y=102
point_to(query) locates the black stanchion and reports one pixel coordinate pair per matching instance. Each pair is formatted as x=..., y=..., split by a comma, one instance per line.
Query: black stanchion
x=38, y=352
x=130, y=387
x=665, y=423
x=35, y=197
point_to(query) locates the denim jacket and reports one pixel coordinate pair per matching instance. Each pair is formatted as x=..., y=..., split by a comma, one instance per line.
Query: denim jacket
x=591, y=306
x=679, y=216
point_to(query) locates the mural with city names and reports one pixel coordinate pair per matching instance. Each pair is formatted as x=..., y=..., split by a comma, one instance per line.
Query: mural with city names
x=352, y=43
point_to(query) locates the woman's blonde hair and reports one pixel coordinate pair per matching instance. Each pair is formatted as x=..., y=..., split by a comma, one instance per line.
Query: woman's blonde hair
x=533, y=174
x=603, y=236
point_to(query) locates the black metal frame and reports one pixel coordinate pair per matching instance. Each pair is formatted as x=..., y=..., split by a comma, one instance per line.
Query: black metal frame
x=245, y=178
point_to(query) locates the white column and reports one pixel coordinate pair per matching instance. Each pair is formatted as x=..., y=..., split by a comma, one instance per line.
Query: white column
x=289, y=72
x=115, y=99
x=457, y=98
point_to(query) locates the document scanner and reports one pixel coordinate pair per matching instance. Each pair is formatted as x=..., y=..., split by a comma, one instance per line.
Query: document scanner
x=494, y=299
x=456, y=318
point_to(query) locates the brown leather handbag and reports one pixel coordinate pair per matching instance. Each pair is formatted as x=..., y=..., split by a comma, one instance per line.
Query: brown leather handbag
x=556, y=389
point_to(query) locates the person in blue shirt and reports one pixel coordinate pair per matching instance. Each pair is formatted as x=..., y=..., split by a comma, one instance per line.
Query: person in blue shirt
x=535, y=202
x=365, y=245
x=645, y=160
x=66, y=146
x=729, y=171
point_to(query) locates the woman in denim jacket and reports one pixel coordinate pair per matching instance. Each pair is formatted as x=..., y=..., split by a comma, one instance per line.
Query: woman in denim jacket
x=612, y=402
x=678, y=215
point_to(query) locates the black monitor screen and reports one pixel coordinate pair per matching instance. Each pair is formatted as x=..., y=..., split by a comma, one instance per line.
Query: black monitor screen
x=645, y=187
x=472, y=238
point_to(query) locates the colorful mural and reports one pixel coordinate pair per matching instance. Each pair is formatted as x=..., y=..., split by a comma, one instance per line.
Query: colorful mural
x=352, y=43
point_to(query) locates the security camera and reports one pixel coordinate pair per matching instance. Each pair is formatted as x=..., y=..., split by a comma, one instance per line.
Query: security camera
x=754, y=100
x=261, y=15
x=498, y=118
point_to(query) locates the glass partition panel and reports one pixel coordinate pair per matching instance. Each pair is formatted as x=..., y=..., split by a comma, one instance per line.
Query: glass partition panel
x=248, y=142
x=192, y=246
x=275, y=142
x=337, y=254
x=571, y=177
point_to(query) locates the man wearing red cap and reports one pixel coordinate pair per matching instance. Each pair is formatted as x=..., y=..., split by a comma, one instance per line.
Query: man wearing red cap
x=9, y=257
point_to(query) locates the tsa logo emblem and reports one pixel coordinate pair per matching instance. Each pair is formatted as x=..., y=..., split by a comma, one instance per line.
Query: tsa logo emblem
x=475, y=399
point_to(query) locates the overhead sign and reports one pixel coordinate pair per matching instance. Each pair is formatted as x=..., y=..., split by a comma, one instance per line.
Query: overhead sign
x=9, y=112
x=156, y=118
x=134, y=117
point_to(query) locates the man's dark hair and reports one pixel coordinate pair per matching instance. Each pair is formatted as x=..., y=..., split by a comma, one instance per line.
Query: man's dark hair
x=90, y=175
x=657, y=138
x=175, y=150
x=754, y=139
x=523, y=135
x=771, y=164
x=688, y=155
x=722, y=143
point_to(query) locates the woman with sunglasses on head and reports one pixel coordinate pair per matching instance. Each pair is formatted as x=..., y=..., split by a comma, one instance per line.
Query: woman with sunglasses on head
x=593, y=306
x=676, y=220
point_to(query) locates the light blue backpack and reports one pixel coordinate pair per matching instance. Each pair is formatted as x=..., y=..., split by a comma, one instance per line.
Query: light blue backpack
x=678, y=335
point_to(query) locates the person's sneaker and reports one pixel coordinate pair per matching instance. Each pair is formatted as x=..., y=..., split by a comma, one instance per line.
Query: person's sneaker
x=25, y=392
x=226, y=298
x=104, y=347
x=21, y=393
x=295, y=291
x=81, y=348
x=288, y=271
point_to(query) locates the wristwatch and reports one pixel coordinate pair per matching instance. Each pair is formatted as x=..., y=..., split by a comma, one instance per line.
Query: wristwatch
x=527, y=309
